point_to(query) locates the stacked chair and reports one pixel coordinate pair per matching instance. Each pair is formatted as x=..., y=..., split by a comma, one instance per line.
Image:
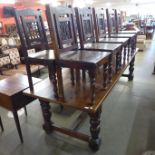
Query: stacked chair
x=112, y=31
x=83, y=65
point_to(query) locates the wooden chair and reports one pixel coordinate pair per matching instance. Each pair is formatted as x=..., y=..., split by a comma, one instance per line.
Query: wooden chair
x=32, y=34
x=112, y=32
x=118, y=24
x=1, y=124
x=100, y=33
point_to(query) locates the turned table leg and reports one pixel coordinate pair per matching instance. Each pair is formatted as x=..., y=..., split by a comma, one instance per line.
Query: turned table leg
x=131, y=69
x=95, y=141
x=47, y=126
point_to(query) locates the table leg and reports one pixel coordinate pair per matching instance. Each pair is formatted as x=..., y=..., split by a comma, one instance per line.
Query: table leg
x=1, y=124
x=28, y=69
x=47, y=126
x=15, y=114
x=25, y=110
x=154, y=70
x=95, y=141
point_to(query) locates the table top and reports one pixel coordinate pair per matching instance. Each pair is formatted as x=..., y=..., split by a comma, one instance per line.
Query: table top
x=78, y=98
x=102, y=46
x=15, y=84
x=128, y=32
x=123, y=35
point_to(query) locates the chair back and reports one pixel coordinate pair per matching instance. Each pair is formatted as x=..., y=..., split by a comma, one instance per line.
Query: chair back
x=118, y=18
x=84, y=18
x=61, y=21
x=111, y=21
x=31, y=30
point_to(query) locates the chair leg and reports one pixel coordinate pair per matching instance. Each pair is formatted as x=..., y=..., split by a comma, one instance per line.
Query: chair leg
x=154, y=69
x=1, y=124
x=25, y=110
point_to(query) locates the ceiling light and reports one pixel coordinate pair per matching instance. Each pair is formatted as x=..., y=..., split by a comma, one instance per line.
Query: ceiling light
x=79, y=3
x=142, y=1
x=52, y=2
x=89, y=1
x=108, y=4
x=7, y=1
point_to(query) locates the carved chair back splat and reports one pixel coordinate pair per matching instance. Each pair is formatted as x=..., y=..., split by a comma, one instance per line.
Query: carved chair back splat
x=31, y=29
x=84, y=18
x=61, y=21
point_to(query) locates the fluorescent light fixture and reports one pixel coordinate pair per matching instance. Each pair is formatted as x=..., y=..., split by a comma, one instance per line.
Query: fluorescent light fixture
x=52, y=2
x=89, y=2
x=82, y=3
x=79, y=3
x=142, y=1
x=108, y=4
x=7, y=1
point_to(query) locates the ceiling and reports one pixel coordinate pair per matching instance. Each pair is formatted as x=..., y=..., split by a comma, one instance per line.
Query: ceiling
x=97, y=3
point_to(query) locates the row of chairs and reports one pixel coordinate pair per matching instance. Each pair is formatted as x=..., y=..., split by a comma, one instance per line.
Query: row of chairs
x=69, y=27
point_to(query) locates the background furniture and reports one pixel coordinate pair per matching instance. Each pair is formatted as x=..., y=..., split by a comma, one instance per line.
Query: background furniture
x=141, y=42
x=12, y=97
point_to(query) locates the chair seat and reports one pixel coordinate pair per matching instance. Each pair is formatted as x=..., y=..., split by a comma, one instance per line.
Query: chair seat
x=102, y=46
x=42, y=55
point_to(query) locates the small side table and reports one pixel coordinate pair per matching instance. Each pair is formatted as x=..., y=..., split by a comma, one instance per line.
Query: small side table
x=12, y=97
